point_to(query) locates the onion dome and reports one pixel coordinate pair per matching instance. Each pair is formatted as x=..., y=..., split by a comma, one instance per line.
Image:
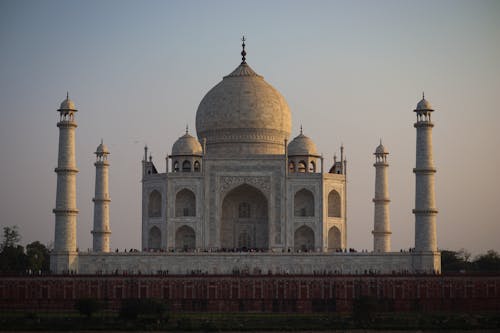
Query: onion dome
x=102, y=149
x=380, y=150
x=424, y=105
x=187, y=145
x=243, y=114
x=67, y=104
x=302, y=146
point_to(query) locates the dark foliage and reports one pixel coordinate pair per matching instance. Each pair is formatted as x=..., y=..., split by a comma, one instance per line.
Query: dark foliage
x=135, y=307
x=88, y=306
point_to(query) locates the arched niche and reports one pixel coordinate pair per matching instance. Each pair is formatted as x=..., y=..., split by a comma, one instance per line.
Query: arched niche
x=334, y=204
x=303, y=239
x=244, y=219
x=185, y=238
x=154, y=239
x=154, y=204
x=303, y=203
x=334, y=239
x=185, y=203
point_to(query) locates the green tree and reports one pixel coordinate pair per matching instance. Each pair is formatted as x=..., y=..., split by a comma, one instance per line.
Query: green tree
x=11, y=237
x=12, y=257
x=88, y=306
x=489, y=262
x=452, y=261
x=37, y=257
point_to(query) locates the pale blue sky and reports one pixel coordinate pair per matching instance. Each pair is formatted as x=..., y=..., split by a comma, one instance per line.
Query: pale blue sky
x=351, y=71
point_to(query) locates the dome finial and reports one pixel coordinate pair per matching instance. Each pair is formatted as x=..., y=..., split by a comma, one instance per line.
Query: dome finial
x=243, y=53
x=67, y=94
x=301, y=129
x=423, y=94
x=187, y=128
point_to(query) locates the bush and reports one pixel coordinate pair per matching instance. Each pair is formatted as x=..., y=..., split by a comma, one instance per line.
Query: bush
x=134, y=307
x=88, y=306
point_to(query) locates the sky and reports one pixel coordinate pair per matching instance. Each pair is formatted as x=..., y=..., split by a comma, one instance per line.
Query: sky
x=351, y=71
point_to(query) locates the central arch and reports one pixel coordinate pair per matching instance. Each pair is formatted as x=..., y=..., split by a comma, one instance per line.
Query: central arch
x=244, y=222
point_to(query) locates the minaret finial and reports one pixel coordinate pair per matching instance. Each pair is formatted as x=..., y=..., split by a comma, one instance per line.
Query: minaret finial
x=243, y=52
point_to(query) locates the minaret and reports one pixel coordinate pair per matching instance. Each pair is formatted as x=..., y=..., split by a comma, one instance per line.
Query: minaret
x=381, y=226
x=65, y=211
x=101, y=200
x=425, y=209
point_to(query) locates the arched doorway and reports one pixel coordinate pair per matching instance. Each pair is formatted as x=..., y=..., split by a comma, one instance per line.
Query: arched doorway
x=244, y=222
x=185, y=203
x=334, y=239
x=334, y=209
x=304, y=239
x=185, y=238
x=154, y=238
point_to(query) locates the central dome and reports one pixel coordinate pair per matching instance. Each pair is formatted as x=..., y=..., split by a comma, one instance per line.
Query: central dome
x=243, y=114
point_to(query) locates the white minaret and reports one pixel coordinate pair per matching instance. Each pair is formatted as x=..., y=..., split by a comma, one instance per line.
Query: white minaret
x=65, y=211
x=381, y=222
x=101, y=200
x=425, y=209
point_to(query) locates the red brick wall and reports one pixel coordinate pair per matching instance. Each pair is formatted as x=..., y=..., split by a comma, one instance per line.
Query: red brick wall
x=268, y=293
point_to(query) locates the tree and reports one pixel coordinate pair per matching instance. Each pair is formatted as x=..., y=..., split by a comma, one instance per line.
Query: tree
x=489, y=262
x=11, y=237
x=88, y=306
x=12, y=257
x=452, y=261
x=37, y=257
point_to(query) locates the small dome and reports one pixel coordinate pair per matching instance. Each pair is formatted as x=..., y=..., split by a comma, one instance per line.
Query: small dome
x=187, y=145
x=67, y=104
x=381, y=150
x=424, y=105
x=102, y=149
x=301, y=146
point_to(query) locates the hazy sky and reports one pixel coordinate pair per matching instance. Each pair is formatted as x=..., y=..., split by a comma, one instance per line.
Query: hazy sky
x=351, y=71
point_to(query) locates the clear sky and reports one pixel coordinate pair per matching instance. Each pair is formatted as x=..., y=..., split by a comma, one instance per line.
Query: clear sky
x=351, y=71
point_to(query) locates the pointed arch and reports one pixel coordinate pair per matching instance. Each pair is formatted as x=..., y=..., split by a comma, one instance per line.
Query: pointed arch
x=291, y=167
x=186, y=166
x=185, y=238
x=334, y=204
x=303, y=203
x=196, y=166
x=154, y=204
x=301, y=167
x=154, y=239
x=176, y=166
x=312, y=167
x=185, y=203
x=334, y=239
x=244, y=219
x=304, y=239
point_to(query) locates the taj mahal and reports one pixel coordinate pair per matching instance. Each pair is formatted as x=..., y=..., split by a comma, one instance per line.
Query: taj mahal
x=241, y=196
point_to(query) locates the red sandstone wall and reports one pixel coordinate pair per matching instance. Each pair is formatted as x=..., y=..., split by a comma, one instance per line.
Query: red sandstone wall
x=269, y=293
